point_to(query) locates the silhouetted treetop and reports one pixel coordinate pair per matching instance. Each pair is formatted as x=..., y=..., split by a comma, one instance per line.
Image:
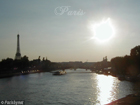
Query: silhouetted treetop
x=135, y=51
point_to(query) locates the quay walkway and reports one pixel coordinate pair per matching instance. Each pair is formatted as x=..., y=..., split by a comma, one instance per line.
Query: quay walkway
x=132, y=99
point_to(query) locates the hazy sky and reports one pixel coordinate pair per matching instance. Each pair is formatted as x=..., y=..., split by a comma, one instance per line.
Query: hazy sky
x=64, y=37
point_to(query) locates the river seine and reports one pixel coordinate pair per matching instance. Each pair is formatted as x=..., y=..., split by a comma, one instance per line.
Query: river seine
x=78, y=87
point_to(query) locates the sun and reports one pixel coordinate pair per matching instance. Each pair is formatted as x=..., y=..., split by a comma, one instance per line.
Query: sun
x=103, y=31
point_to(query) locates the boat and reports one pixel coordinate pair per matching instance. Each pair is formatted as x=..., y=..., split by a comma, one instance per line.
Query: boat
x=59, y=73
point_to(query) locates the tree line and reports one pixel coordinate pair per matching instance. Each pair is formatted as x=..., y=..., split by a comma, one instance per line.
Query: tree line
x=10, y=65
x=128, y=64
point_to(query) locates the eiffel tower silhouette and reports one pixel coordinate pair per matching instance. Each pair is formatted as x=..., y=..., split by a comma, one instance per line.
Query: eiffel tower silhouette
x=18, y=55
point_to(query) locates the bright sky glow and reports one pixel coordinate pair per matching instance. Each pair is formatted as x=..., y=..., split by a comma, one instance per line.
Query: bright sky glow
x=65, y=37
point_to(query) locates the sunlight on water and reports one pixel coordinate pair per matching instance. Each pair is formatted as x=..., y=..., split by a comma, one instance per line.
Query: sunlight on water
x=105, y=86
x=75, y=88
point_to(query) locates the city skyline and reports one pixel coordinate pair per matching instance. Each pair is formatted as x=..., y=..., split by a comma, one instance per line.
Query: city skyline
x=62, y=36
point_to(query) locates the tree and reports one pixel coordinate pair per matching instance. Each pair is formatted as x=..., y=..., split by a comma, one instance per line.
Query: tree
x=118, y=64
x=24, y=61
x=135, y=52
x=6, y=65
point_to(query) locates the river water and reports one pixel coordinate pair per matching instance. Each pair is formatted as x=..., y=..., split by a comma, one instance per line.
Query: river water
x=78, y=87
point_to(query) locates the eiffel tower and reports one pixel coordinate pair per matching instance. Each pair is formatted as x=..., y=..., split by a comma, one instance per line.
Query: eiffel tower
x=18, y=55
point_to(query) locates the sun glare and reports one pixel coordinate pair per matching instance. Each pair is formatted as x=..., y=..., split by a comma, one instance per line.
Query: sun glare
x=103, y=31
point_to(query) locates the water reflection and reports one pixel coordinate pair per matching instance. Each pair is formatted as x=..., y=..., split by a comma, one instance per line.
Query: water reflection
x=106, y=86
x=75, y=88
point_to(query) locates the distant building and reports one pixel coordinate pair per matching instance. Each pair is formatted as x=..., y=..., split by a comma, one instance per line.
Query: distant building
x=105, y=63
x=18, y=54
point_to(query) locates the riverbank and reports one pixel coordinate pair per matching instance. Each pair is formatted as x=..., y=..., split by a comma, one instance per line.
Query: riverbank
x=132, y=99
x=4, y=75
x=120, y=77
